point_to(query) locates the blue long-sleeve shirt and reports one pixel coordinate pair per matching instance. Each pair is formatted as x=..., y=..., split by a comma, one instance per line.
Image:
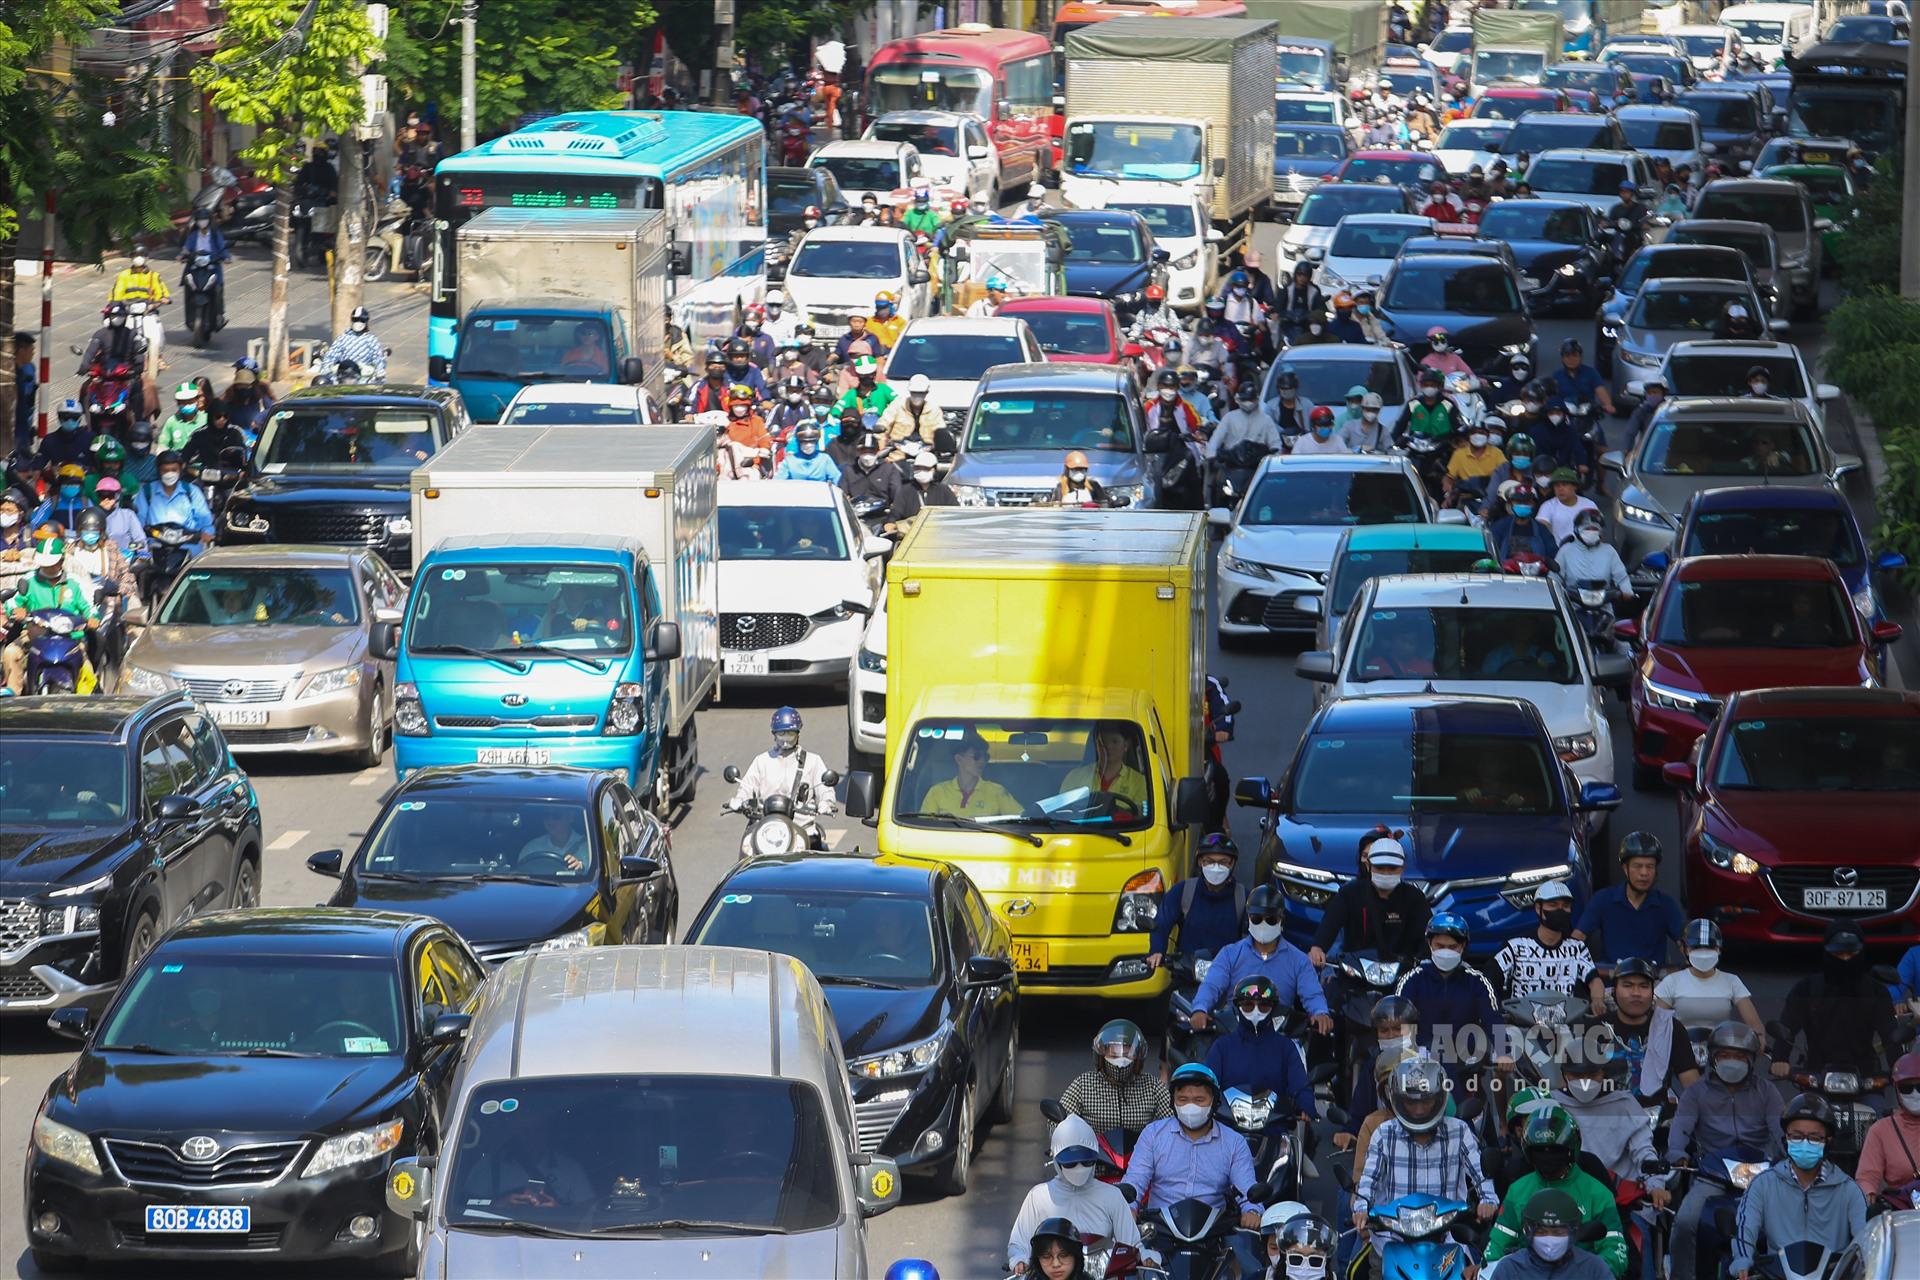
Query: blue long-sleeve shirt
x=1253, y=1059
x=1448, y=1001
x=795, y=466
x=124, y=528
x=1168, y=1165
x=1909, y=970
x=186, y=506
x=1292, y=974
x=1213, y=924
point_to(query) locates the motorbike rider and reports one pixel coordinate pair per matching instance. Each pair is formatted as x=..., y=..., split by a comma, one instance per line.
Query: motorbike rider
x=744, y=426
x=1118, y=1092
x=709, y=395
x=1300, y=298
x=1394, y=1020
x=1242, y=307
x=172, y=499
x=1377, y=910
x=781, y=323
x=92, y=559
x=1168, y=410
x=1154, y=314
x=741, y=371
x=1627, y=218
x=1213, y=340
x=1254, y=1054
x=932, y=491
x=988, y=304
x=1841, y=1012
x=67, y=500
x=914, y=415
x=782, y=769
x=1189, y=1155
x=1398, y=1161
x=1631, y=917
x=1264, y=951
x=139, y=282
x=1442, y=205
x=1890, y=1153
x=1736, y=322
x=1441, y=357
x=248, y=397
x=1196, y=395
x=1470, y=469
x=358, y=345
x=1655, y=1045
x=1804, y=1197
x=1588, y=557
x=790, y=409
x=869, y=481
x=1322, y=435
x=16, y=536
x=1549, y=959
x=1344, y=327
x=1431, y=413
x=69, y=441
x=887, y=323
x=1245, y=434
x=123, y=526
x=1075, y=488
x=203, y=237
x=1551, y=1143
x=1579, y=383
x=867, y=395
x=47, y=587
x=1367, y=433
x=141, y=467
x=1703, y=994
x=1056, y=1252
x=1759, y=383
x=809, y=351
x=1565, y=506
x=1451, y=994
x=1207, y=909
x=317, y=179
x=117, y=342
x=1614, y=1129
x=1299, y=1245
x=1519, y=449
x=186, y=419
x=1731, y=1107
x=805, y=460
x=1074, y=1193
x=205, y=446
x=761, y=347
x=1654, y=395
x=1550, y=1221
x=1292, y=411
x=921, y=218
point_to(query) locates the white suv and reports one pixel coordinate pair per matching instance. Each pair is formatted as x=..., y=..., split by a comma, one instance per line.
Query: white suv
x=837, y=271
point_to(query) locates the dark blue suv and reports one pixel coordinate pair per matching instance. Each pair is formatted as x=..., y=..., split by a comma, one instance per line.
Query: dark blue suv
x=1490, y=812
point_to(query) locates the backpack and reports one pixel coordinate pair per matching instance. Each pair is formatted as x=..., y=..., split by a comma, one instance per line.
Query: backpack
x=1191, y=886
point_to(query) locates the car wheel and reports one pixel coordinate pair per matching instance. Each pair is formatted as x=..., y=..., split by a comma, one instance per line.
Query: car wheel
x=56, y=1263
x=246, y=882
x=140, y=940
x=660, y=794
x=1003, y=1094
x=952, y=1180
x=374, y=754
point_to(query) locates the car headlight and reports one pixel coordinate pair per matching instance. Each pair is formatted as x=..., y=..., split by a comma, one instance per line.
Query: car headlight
x=579, y=940
x=1644, y=515
x=1245, y=568
x=1645, y=359
x=871, y=661
x=1863, y=601
x=409, y=717
x=57, y=921
x=1187, y=261
x=1522, y=885
x=66, y=1144
x=344, y=1149
x=623, y=711
x=141, y=680
x=1672, y=699
x=1308, y=885
x=332, y=681
x=243, y=521
x=1139, y=902
x=969, y=495
x=1726, y=857
x=904, y=1060
x=1575, y=746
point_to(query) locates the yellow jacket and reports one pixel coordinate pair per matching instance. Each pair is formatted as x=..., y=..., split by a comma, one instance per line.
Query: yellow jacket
x=143, y=286
x=888, y=330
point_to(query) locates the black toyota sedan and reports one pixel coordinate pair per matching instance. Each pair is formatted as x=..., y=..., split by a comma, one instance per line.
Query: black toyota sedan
x=1477, y=300
x=921, y=982
x=1562, y=252
x=119, y=818
x=244, y=1094
x=515, y=859
x=1110, y=255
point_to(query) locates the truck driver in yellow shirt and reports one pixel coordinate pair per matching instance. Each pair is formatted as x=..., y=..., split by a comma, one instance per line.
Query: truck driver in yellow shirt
x=1109, y=771
x=969, y=792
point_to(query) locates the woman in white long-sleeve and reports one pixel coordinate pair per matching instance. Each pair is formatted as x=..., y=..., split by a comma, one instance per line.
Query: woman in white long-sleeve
x=1075, y=1194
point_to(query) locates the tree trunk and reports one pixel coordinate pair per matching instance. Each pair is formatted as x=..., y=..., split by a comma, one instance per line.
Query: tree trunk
x=350, y=237
x=276, y=355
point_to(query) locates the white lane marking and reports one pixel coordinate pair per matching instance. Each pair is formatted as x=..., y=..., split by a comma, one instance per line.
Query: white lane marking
x=367, y=777
x=286, y=841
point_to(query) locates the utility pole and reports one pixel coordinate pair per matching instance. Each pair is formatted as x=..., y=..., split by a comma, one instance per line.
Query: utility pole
x=720, y=93
x=469, y=18
x=1910, y=197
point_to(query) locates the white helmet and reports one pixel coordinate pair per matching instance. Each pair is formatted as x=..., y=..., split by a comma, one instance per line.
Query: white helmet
x=919, y=384
x=1278, y=1215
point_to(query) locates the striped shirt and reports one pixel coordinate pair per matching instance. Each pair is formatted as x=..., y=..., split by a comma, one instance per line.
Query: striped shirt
x=1446, y=1167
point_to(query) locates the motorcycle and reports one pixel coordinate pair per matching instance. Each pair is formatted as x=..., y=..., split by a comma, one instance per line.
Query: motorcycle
x=1430, y=455
x=1219, y=721
x=200, y=290
x=1280, y=1140
x=1733, y=1170
x=220, y=481
x=1233, y=470
x=1542, y=1020
x=1510, y=382
x=143, y=317
x=1185, y=1043
x=783, y=824
x=1419, y=1237
x=1116, y=1145
x=1361, y=980
x=170, y=546
x=1593, y=610
x=796, y=140
x=1211, y=386
x=57, y=650
x=1196, y=1240
x=387, y=245
x=1801, y=1260
x=311, y=230
x=106, y=395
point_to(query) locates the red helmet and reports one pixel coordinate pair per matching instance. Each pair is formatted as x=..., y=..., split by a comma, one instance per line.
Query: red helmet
x=1321, y=416
x=959, y=205
x=1155, y=293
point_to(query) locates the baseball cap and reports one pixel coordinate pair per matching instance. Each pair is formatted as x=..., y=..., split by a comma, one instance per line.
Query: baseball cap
x=1564, y=475
x=919, y=384
x=1553, y=891
x=1387, y=850
x=924, y=462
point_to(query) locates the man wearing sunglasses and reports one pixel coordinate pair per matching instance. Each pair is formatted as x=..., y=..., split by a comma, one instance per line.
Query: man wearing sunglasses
x=1073, y=1193
x=1256, y=1055
x=1264, y=951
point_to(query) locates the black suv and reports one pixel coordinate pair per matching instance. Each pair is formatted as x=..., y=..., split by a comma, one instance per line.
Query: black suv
x=119, y=818
x=789, y=192
x=332, y=464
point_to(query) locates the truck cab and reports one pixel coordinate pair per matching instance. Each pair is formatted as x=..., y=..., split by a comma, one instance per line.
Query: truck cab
x=504, y=346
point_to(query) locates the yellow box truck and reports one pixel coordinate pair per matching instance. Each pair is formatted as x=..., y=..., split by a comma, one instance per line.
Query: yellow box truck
x=1045, y=685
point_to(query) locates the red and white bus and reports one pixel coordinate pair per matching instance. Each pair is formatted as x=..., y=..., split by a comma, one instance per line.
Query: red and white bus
x=1004, y=77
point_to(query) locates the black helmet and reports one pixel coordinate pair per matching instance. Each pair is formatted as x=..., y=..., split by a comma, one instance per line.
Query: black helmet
x=793, y=382
x=1167, y=378
x=114, y=311
x=1266, y=900
x=1258, y=987
x=1735, y=1036
x=1431, y=378
x=1286, y=380
x=140, y=432
x=1542, y=389
x=1809, y=1106
x=1417, y=1093
x=1571, y=347
x=361, y=316
x=739, y=349
x=1395, y=1009
x=1636, y=967
x=1550, y=1208
x=1759, y=371
x=169, y=457
x=821, y=394
x=1064, y=1231
x=1218, y=842
x=93, y=518
x=1124, y=1038
x=1305, y=1233
x=1701, y=933
x=1640, y=844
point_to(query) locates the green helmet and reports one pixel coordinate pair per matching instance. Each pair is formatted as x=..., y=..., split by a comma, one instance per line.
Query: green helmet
x=1525, y=1102
x=107, y=449
x=1550, y=1208
x=1551, y=1142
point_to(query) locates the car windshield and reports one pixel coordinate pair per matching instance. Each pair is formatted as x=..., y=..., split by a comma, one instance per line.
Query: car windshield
x=1402, y=173
x=345, y=439
x=1600, y=78
x=1472, y=136
x=1645, y=64
x=1372, y=239
x=1471, y=291
x=1069, y=332
x=1757, y=613
x=1310, y=143
x=1423, y=769
x=1405, y=81
x=1166, y=221
x=1720, y=448
x=1026, y=774
x=1775, y=531
x=1782, y=211
x=1827, y=186
x=1509, y=108
x=1871, y=118
x=1311, y=496
x=520, y=608
x=847, y=260
x=1755, y=246
x=1691, y=375
x=1357, y=568
x=282, y=596
x=573, y=413
x=426, y=837
x=927, y=139
x=1705, y=44
x=1452, y=40
x=188, y=1001
x=1325, y=208
x=1134, y=149
x=1535, y=134
x=781, y=533
x=1106, y=242
x=1531, y=220
x=1291, y=109
x=1324, y=381
x=915, y=86
x=1734, y=111
x=1680, y=308
x=697, y=1155
x=1479, y=642
x=952, y=356
x=864, y=173
x=1504, y=64
x=861, y=936
x=1577, y=177
x=46, y=783
x=1050, y=420
x=533, y=348
x=1864, y=28
x=1300, y=64
x=1645, y=134
x=1757, y=30
x=1822, y=753
x=789, y=197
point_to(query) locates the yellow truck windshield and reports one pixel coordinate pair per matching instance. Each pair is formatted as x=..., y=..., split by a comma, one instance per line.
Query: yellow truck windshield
x=1026, y=775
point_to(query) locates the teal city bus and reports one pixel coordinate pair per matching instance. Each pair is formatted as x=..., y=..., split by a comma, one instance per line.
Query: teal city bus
x=707, y=169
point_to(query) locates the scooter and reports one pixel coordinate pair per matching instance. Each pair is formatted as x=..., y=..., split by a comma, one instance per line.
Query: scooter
x=200, y=293
x=1430, y=455
x=783, y=824
x=1185, y=1043
x=1593, y=610
x=1233, y=470
x=57, y=650
x=106, y=395
x=796, y=140
x=1801, y=1260
x=219, y=482
x=170, y=546
x=312, y=230
x=143, y=317
x=1195, y=1239
x=1419, y=1237
x=1543, y=1021
x=1361, y=980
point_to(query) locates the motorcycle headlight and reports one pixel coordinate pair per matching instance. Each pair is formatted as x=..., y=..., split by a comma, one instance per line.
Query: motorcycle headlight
x=400, y=526
x=904, y=1060
x=1133, y=493
x=1726, y=857
x=1380, y=973
x=871, y=661
x=1139, y=903
x=1840, y=1082
x=772, y=839
x=332, y=681
x=141, y=680
x=66, y=1144
x=347, y=1149
x=1575, y=746
x=1252, y=1113
x=1245, y=568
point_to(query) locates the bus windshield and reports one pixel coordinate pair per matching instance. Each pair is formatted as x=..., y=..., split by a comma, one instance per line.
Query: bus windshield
x=1133, y=149
x=914, y=86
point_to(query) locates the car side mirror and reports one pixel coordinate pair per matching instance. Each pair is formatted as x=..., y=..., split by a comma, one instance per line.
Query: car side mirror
x=1657, y=561
x=449, y=1027
x=1190, y=806
x=918, y=276
x=1777, y=324
x=383, y=640
x=633, y=371
x=1709, y=149
x=1890, y=560
x=439, y=368
x=1220, y=517
x=1679, y=773
x=637, y=867
x=1825, y=392
x=1615, y=461
x=863, y=794
x=1308, y=604
x=72, y=1022
x=1885, y=632
x=409, y=1188
x=1612, y=670
x=1133, y=351
x=879, y=1185
x=1451, y=515
x=977, y=153
x=1215, y=235
x=872, y=548
x=1219, y=166
x=1627, y=629
x=664, y=644
x=988, y=971
x=1316, y=666
x=326, y=862
x=1844, y=464
x=1253, y=793
x=680, y=258
x=175, y=809
x=1161, y=255
x=1636, y=388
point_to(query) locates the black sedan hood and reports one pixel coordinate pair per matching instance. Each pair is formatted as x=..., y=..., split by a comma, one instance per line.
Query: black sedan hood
x=33, y=857
x=1105, y=279
x=144, y=1095
x=487, y=913
x=381, y=489
x=874, y=1021
x=1541, y=258
x=1477, y=338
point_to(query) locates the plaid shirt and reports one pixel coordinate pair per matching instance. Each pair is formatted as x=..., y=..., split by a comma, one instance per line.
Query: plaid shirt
x=1095, y=1099
x=1448, y=1167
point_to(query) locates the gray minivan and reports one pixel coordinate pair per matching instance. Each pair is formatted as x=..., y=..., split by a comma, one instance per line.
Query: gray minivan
x=649, y=1112
x=1788, y=209
x=1026, y=418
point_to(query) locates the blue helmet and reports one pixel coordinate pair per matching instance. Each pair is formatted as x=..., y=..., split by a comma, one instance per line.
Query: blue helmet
x=912, y=1269
x=248, y=363
x=69, y=408
x=1193, y=1073
x=997, y=283
x=1449, y=922
x=1239, y=280
x=786, y=720
x=1630, y=187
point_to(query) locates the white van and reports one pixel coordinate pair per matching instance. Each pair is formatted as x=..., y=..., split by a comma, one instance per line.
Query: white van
x=837, y=271
x=1768, y=31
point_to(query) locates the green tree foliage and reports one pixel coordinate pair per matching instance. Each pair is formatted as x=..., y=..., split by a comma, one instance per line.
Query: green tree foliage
x=1869, y=251
x=531, y=54
x=114, y=180
x=1875, y=358
x=763, y=29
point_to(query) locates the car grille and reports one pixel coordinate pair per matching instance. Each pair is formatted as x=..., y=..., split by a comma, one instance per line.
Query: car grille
x=244, y=1165
x=1281, y=615
x=1294, y=183
x=874, y=1118
x=237, y=737
x=23, y=986
x=214, y=689
x=1018, y=497
x=331, y=525
x=508, y=722
x=761, y=630
x=1899, y=883
x=1070, y=975
x=19, y=923
x=133, y=1235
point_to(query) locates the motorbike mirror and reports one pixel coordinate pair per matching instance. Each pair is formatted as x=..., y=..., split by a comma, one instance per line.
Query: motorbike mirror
x=731, y=773
x=1336, y=1114
x=1654, y=1166
x=1323, y=1073
x=1233, y=707
x=1262, y=1193
x=325, y=863
x=1343, y=1174
x=1593, y=1232
x=830, y=778
x=1053, y=1110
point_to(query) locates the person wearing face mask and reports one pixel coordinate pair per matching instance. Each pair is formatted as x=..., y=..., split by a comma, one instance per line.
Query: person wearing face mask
x=1207, y=909
x=870, y=480
x=16, y=537
x=1322, y=435
x=1166, y=410
x=781, y=321
x=1377, y=910
x=1614, y=1129
x=1190, y=1155
x=1890, y=1154
x=1246, y=433
x=805, y=460
x=1550, y=1222
x=67, y=500
x=1072, y=1192
x=1703, y=994
x=92, y=560
x=782, y=768
x=740, y=371
x=1195, y=395
x=709, y=395
x=1519, y=449
x=47, y=587
x=1731, y=1107
x=1421, y=1150
x=172, y=499
x=123, y=526
x=867, y=396
x=1653, y=396
x=1345, y=327
x=1588, y=557
x=810, y=352
x=1452, y=994
x=70, y=441
x=790, y=408
x=1299, y=299
x=1075, y=488
x=913, y=416
x=1558, y=436
x=1658, y=1055
x=1736, y=323
x=359, y=345
x=1118, y=1092
x=1804, y=1197
x=1354, y=402
x=1549, y=959
x=933, y=491
x=887, y=323
x=1759, y=383
x=1291, y=410
x=1430, y=414
x=1254, y=1054
x=1264, y=951
x=1842, y=1014
x=140, y=467
x=1470, y=469
x=219, y=436
x=1366, y=433
x=1394, y=1021
x=1551, y=1141
x=760, y=344
x=1314, y=333
x=187, y=417
x=117, y=342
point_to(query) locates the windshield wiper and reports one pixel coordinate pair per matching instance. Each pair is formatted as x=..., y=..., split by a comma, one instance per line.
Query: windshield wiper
x=468, y=651
x=142, y=1047
x=509, y=877
x=273, y=1053
x=844, y=980
x=493, y=373
x=507, y=1226
x=553, y=651
x=691, y=1224
x=972, y=824
x=390, y=875
x=1068, y=824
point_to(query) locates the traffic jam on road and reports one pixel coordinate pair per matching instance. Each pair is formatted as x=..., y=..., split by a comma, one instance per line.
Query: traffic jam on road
x=789, y=719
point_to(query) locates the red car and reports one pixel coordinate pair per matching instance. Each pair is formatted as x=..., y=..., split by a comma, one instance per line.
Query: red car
x=1721, y=624
x=1401, y=168
x=1076, y=330
x=1511, y=101
x=1798, y=807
